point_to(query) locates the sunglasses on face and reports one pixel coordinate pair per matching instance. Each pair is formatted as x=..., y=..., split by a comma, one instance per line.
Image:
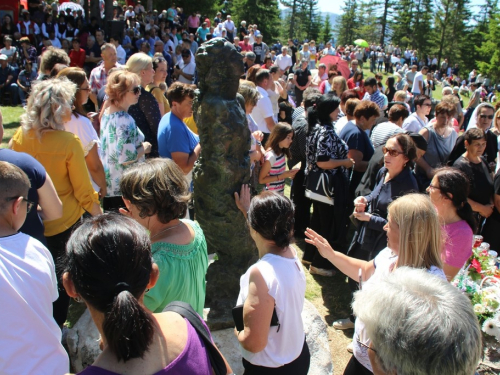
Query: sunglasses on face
x=391, y=152
x=136, y=90
x=489, y=117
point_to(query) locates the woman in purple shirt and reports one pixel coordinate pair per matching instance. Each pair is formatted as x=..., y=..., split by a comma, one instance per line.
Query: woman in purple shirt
x=108, y=267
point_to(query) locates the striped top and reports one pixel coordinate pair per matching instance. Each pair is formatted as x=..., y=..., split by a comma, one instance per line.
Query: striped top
x=277, y=167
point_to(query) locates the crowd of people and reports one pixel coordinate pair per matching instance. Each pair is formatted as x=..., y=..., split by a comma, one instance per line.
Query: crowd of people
x=97, y=183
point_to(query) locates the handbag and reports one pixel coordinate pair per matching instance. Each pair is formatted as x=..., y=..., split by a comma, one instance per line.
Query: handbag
x=319, y=187
x=238, y=318
x=186, y=311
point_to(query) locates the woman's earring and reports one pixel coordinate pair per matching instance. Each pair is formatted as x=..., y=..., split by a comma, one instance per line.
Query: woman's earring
x=78, y=299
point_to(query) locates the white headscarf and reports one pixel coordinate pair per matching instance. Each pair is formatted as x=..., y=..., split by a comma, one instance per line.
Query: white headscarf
x=475, y=114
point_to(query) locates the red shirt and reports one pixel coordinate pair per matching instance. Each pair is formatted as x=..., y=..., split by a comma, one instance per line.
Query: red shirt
x=245, y=47
x=77, y=58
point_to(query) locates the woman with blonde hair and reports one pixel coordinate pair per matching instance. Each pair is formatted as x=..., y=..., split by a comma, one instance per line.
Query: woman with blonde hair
x=146, y=111
x=160, y=66
x=413, y=240
x=82, y=127
x=42, y=135
x=339, y=85
x=122, y=141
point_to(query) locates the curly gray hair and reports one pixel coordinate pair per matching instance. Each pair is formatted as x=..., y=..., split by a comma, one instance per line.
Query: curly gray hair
x=48, y=101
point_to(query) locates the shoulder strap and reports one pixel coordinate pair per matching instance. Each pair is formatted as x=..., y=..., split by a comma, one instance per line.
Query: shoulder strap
x=186, y=311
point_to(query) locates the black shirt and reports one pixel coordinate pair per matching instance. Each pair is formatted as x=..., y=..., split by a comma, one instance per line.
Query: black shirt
x=490, y=153
x=302, y=76
x=481, y=184
x=293, y=53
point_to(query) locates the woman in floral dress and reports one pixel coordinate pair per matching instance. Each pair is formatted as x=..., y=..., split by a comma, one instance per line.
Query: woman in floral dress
x=122, y=141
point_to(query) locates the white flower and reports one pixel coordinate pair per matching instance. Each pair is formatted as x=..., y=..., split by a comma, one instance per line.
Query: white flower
x=479, y=309
x=491, y=328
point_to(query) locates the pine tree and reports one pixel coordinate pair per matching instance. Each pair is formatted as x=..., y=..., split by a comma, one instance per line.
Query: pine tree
x=490, y=50
x=265, y=13
x=326, y=30
x=368, y=24
x=348, y=23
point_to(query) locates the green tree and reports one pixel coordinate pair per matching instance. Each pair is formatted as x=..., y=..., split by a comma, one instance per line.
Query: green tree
x=326, y=30
x=368, y=23
x=349, y=22
x=490, y=49
x=265, y=13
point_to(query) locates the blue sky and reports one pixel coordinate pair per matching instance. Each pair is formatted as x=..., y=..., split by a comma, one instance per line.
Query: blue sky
x=334, y=6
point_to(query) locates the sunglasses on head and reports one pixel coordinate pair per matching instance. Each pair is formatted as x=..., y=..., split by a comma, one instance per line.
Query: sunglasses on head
x=489, y=117
x=391, y=152
x=136, y=90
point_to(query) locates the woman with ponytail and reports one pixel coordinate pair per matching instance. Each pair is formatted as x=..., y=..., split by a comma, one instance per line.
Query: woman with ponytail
x=276, y=283
x=448, y=191
x=109, y=267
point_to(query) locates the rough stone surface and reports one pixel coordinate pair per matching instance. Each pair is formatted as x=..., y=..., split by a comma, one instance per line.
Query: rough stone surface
x=316, y=336
x=490, y=363
x=223, y=166
x=82, y=342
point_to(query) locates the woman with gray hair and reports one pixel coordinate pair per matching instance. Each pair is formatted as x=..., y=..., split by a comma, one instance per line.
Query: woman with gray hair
x=418, y=324
x=42, y=135
x=413, y=240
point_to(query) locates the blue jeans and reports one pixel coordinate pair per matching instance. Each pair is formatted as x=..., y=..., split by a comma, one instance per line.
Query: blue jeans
x=23, y=95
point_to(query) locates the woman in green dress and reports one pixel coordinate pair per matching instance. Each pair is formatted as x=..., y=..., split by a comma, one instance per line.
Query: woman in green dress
x=156, y=195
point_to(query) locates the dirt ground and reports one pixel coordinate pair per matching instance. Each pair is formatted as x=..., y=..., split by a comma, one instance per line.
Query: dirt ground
x=332, y=297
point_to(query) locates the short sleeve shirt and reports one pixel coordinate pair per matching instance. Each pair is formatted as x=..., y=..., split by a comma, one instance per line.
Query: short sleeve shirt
x=120, y=139
x=175, y=136
x=262, y=110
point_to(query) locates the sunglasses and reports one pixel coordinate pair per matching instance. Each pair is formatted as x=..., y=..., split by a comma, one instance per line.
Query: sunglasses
x=391, y=152
x=489, y=117
x=29, y=204
x=136, y=90
x=434, y=187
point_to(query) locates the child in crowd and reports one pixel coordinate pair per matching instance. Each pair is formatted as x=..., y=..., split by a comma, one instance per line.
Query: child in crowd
x=273, y=171
x=31, y=339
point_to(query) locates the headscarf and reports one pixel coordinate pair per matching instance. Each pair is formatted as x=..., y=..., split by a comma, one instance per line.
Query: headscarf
x=475, y=114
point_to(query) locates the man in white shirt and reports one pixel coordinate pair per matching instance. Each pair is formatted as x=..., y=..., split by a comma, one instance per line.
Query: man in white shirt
x=121, y=55
x=418, y=81
x=169, y=45
x=230, y=28
x=129, y=13
x=263, y=111
x=31, y=339
x=328, y=50
x=417, y=120
x=184, y=70
x=383, y=131
x=284, y=61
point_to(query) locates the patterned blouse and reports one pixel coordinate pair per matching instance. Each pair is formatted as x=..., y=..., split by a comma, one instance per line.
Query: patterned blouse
x=120, y=139
x=324, y=144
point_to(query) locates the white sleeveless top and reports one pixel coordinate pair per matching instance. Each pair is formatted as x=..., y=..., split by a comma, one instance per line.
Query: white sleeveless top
x=286, y=281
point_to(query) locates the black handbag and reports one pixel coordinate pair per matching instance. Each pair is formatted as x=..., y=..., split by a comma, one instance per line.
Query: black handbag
x=238, y=318
x=319, y=187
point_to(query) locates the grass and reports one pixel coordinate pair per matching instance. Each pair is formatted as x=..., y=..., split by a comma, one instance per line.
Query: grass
x=11, y=118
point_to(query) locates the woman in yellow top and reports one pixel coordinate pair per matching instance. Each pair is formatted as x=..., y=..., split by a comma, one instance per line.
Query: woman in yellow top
x=160, y=67
x=42, y=135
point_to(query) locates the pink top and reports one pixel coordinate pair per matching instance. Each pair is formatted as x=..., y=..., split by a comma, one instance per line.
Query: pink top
x=193, y=22
x=458, y=243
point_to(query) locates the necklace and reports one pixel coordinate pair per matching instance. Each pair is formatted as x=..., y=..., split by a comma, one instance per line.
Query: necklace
x=165, y=229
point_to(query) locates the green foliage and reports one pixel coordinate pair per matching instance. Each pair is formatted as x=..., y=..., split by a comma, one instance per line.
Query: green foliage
x=490, y=50
x=349, y=22
x=264, y=13
x=326, y=30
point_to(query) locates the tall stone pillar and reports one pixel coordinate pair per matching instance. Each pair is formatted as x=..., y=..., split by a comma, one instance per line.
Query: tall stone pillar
x=223, y=166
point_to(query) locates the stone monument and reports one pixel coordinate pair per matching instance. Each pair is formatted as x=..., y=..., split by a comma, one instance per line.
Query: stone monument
x=222, y=167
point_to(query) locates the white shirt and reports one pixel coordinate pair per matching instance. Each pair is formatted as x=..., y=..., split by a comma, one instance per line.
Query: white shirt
x=413, y=123
x=229, y=26
x=283, y=62
x=262, y=110
x=169, y=47
x=129, y=13
x=286, y=282
x=419, y=77
x=188, y=68
x=83, y=129
x=56, y=43
x=27, y=27
x=30, y=339
x=121, y=55
x=382, y=132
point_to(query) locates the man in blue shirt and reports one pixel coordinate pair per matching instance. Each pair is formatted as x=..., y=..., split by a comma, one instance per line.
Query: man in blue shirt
x=175, y=140
x=372, y=93
x=7, y=82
